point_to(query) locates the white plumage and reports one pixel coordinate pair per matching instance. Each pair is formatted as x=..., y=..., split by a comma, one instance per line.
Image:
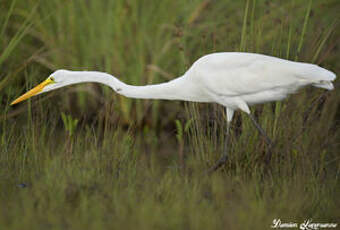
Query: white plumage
x=232, y=79
x=237, y=80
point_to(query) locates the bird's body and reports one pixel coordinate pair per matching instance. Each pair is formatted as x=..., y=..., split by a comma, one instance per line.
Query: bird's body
x=232, y=79
x=237, y=80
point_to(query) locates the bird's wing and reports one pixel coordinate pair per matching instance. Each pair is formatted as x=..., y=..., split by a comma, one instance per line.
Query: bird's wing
x=234, y=74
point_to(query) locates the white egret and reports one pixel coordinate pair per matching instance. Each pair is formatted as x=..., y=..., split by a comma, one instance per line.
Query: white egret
x=232, y=79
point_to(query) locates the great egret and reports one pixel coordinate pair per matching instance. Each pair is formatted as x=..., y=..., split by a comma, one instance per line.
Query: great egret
x=232, y=79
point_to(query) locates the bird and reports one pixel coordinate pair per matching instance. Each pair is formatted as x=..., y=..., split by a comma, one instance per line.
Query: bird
x=235, y=80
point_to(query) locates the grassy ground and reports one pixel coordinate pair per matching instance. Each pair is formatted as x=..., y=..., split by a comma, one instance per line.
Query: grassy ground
x=134, y=164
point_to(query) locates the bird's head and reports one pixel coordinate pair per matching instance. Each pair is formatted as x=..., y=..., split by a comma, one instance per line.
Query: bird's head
x=56, y=80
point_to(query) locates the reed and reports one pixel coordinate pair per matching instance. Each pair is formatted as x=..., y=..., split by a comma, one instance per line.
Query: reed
x=134, y=164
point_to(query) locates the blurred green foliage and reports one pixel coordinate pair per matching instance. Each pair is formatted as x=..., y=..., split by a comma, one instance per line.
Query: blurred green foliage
x=120, y=168
x=69, y=123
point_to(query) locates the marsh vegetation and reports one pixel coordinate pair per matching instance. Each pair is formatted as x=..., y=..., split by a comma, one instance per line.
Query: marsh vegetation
x=85, y=158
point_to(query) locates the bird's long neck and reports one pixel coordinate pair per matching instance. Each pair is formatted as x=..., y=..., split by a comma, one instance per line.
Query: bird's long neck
x=172, y=90
x=177, y=89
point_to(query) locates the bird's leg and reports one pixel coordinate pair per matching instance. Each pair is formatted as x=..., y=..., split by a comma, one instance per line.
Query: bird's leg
x=263, y=133
x=224, y=156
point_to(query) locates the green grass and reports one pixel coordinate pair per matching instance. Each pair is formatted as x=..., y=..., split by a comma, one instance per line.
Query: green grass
x=95, y=160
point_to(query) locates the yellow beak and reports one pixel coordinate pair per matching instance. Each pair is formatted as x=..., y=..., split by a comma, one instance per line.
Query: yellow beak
x=33, y=91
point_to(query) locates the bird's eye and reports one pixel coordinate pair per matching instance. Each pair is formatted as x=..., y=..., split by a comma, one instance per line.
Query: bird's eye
x=52, y=78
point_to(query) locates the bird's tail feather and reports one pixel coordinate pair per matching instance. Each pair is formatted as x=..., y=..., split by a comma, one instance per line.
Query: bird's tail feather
x=318, y=76
x=324, y=84
x=314, y=72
